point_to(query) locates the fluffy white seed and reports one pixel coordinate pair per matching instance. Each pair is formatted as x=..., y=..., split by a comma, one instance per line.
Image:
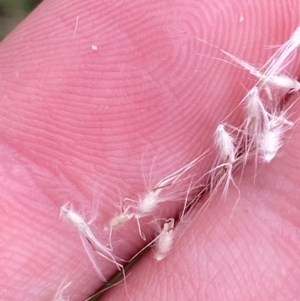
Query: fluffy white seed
x=87, y=235
x=119, y=220
x=281, y=81
x=270, y=76
x=253, y=104
x=150, y=200
x=74, y=218
x=270, y=143
x=256, y=114
x=271, y=136
x=165, y=240
x=225, y=143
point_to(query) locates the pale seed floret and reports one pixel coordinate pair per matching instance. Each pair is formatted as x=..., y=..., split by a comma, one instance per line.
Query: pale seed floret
x=225, y=143
x=165, y=241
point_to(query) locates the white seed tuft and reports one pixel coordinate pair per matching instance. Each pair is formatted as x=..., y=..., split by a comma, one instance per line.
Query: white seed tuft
x=254, y=105
x=119, y=220
x=270, y=139
x=281, y=81
x=149, y=202
x=87, y=235
x=225, y=143
x=75, y=219
x=165, y=240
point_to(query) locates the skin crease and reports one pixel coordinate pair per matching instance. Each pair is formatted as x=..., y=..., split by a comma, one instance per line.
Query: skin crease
x=78, y=124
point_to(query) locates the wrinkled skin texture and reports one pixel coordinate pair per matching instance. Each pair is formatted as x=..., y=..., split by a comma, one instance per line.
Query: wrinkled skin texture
x=77, y=124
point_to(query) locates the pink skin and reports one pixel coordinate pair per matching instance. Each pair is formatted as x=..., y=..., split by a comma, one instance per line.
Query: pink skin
x=76, y=122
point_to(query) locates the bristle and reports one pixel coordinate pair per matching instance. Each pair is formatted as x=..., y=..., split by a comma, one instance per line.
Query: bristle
x=59, y=294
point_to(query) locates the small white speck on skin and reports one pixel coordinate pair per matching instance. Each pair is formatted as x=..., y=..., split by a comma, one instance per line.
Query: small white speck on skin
x=94, y=47
x=241, y=19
